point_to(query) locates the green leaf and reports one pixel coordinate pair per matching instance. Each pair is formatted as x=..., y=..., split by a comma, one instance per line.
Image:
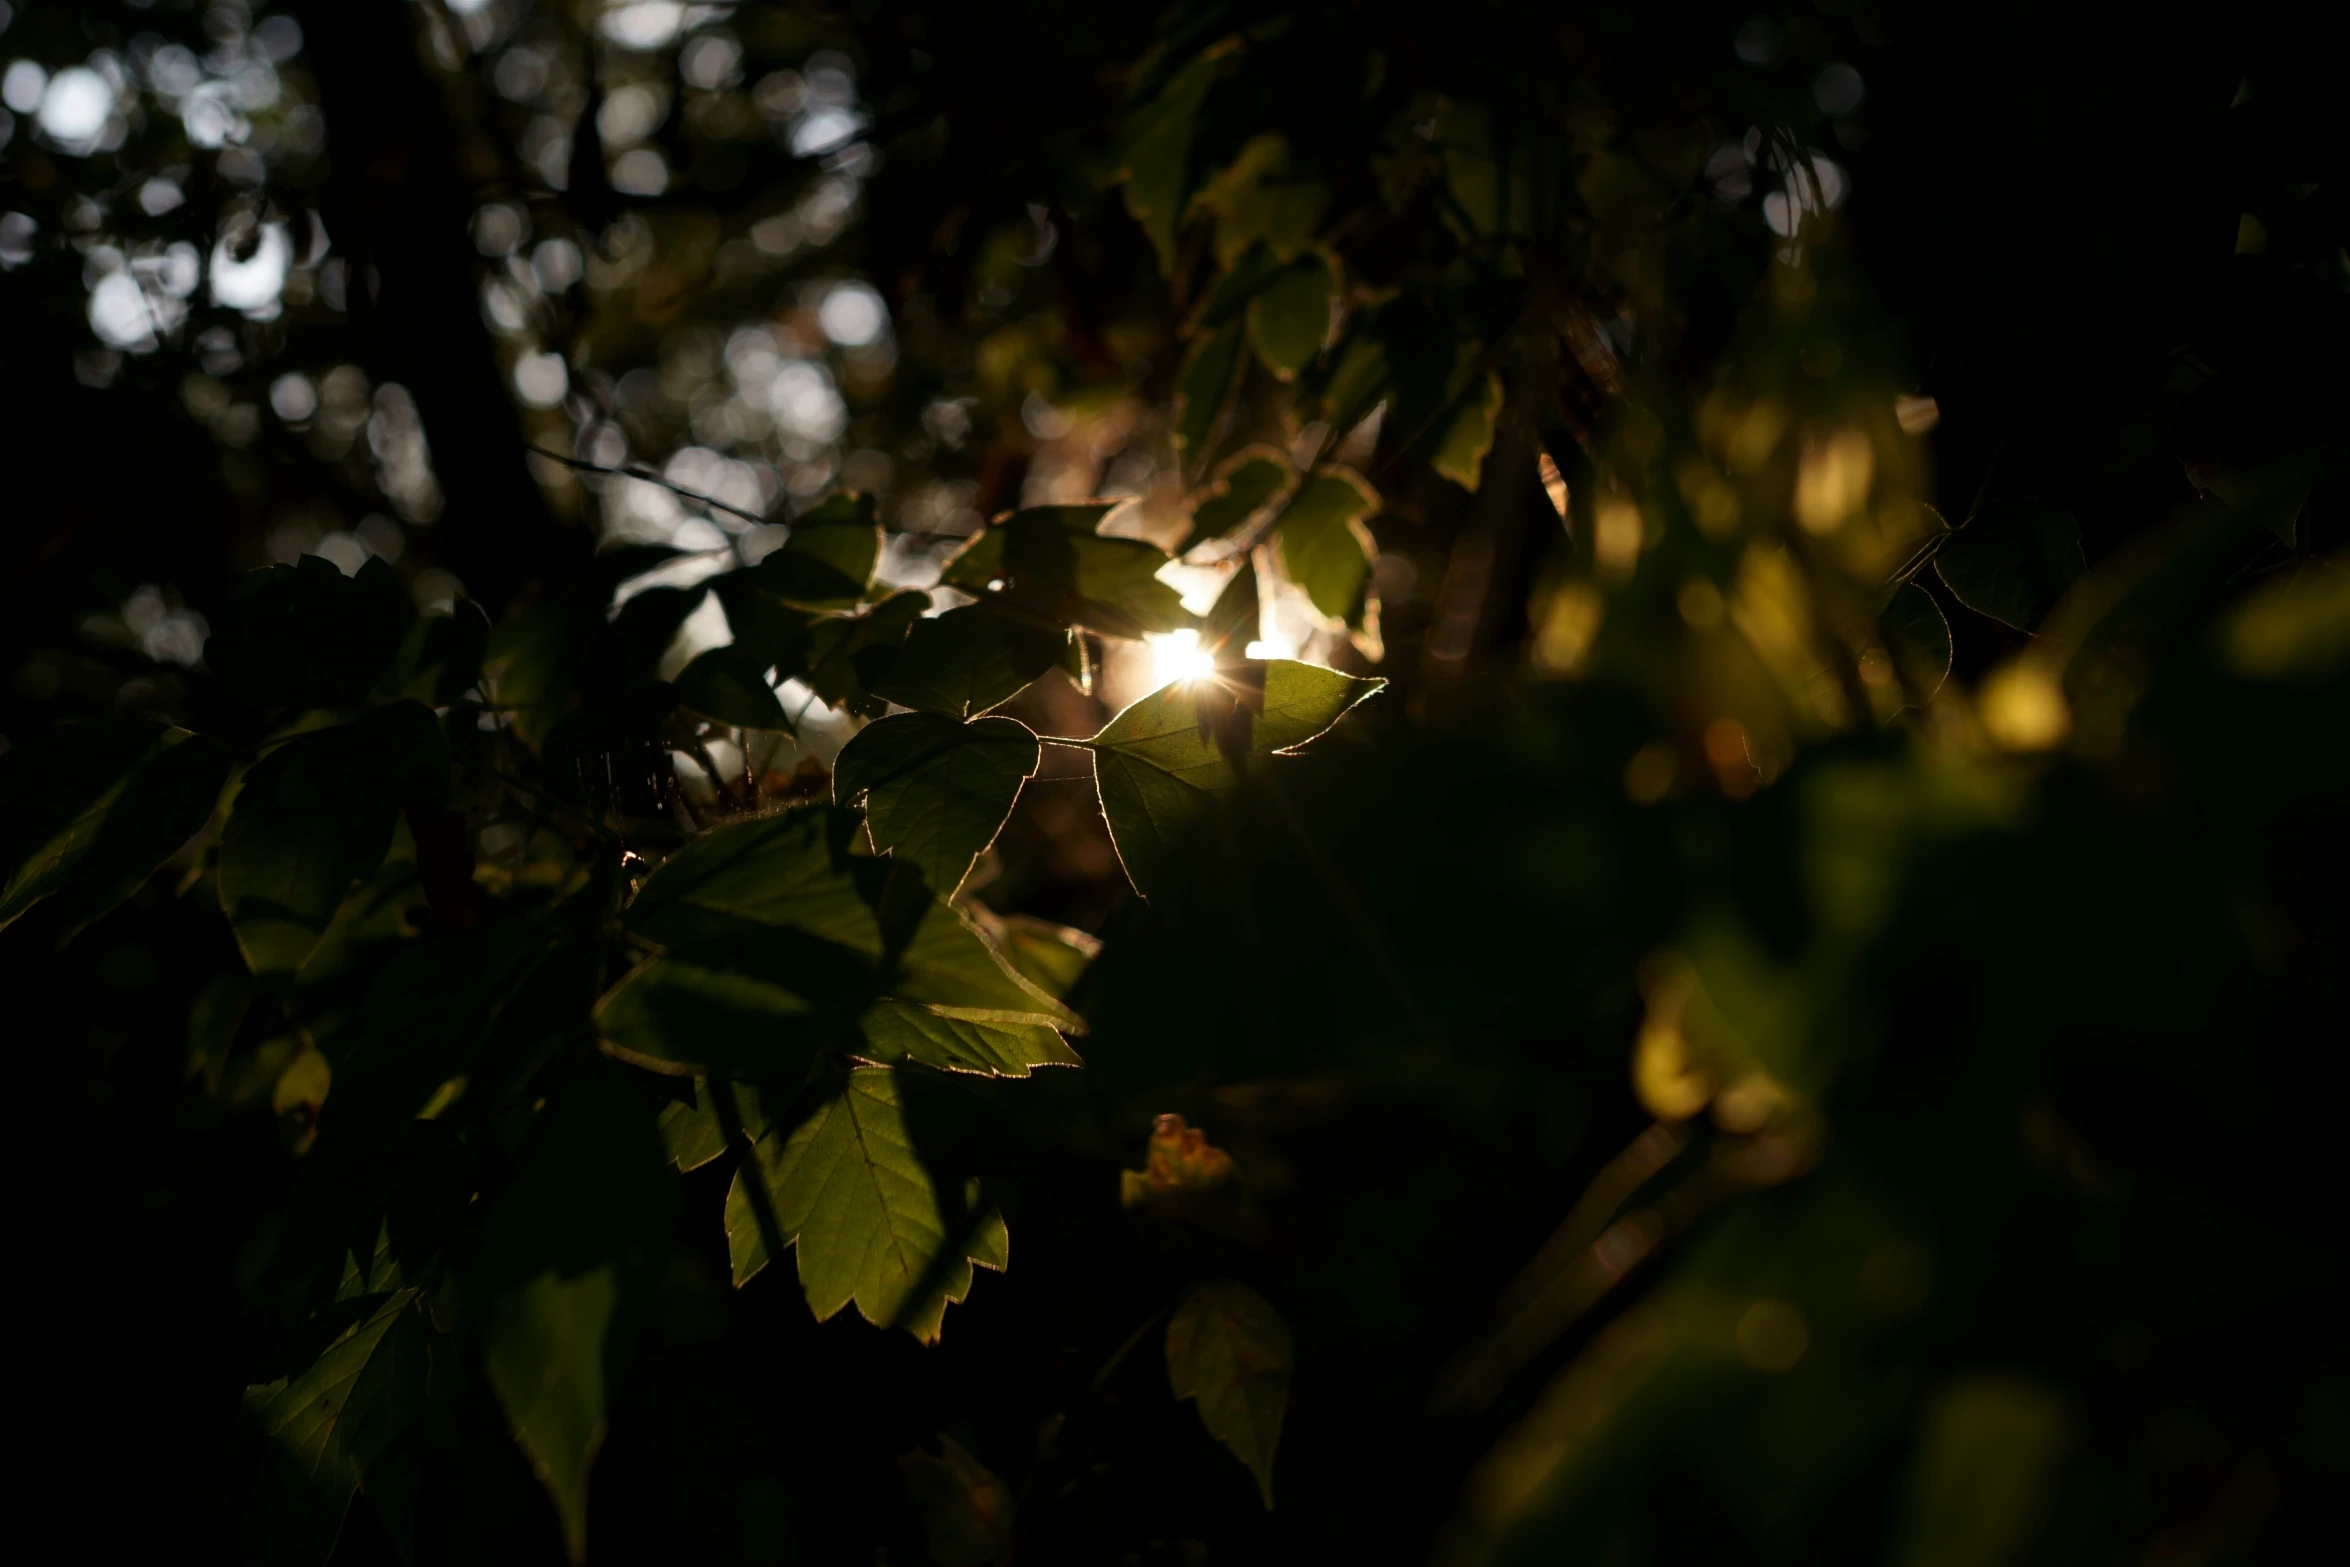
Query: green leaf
x=1918, y=638
x=1204, y=388
x=936, y=790
x=846, y=654
x=312, y=818
x=90, y=810
x=1156, y=160
x=1325, y=547
x=780, y=871
x=1049, y=566
x=848, y=1192
x=966, y=1510
x=327, y=1422
x=1229, y=1350
x=305, y=635
x=683, y=1018
x=948, y=961
x=1048, y=956
x=1160, y=764
x=1249, y=482
x=828, y=561
x=544, y=1346
x=1460, y=456
x=940, y=1037
x=968, y=660
x=730, y=684
x=693, y=1131
x=568, y=1257
x=1290, y=320
x=1258, y=201
x=2014, y=560
x=732, y=899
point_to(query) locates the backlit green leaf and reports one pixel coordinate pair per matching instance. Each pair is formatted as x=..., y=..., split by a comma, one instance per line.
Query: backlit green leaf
x=1050, y=567
x=1290, y=319
x=968, y=660
x=694, y=1130
x=1160, y=764
x=936, y=790
x=1048, y=956
x=1325, y=547
x=936, y=1036
x=828, y=561
x=846, y=654
x=847, y=1190
x=2014, y=560
x=1229, y=1350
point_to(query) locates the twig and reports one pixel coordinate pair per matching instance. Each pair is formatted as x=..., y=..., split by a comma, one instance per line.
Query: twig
x=639, y=471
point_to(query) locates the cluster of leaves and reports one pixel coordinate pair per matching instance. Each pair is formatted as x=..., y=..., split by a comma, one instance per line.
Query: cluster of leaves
x=787, y=973
x=1890, y=942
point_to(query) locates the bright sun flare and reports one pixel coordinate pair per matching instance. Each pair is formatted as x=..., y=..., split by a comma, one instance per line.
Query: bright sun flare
x=1177, y=655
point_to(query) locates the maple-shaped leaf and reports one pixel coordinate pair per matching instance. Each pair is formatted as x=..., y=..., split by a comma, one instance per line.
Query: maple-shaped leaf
x=1229, y=1350
x=1180, y=1162
x=848, y=1192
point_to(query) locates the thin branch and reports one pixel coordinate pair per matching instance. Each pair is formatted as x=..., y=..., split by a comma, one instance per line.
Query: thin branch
x=639, y=471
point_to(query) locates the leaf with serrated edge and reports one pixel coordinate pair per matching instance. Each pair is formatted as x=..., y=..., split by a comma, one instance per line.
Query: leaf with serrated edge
x=851, y=1196
x=936, y=790
x=939, y=1037
x=1049, y=956
x=1158, y=764
x=968, y=660
x=1229, y=1350
x=331, y=1420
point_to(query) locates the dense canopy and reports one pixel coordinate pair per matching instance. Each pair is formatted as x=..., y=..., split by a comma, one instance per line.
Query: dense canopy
x=1030, y=782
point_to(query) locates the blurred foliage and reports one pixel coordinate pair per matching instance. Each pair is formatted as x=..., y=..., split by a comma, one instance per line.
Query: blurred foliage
x=1652, y=701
